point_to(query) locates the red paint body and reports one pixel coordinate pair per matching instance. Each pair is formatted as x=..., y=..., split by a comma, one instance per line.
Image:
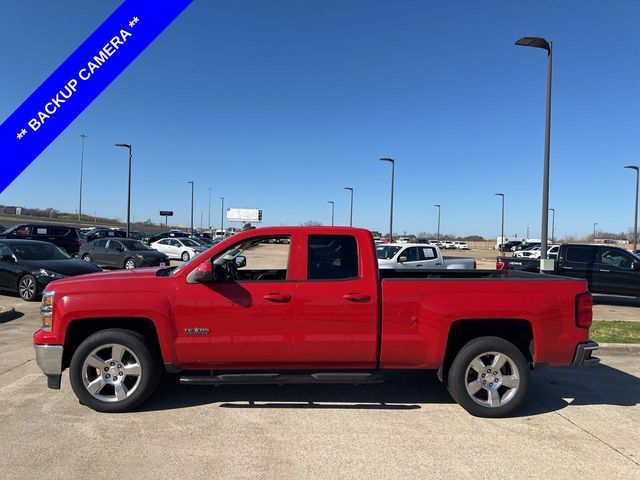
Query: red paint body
x=363, y=323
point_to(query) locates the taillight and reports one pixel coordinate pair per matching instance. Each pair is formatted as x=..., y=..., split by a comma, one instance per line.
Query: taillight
x=500, y=265
x=584, y=310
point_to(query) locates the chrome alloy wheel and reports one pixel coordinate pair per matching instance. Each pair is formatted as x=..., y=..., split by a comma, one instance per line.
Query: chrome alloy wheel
x=27, y=287
x=492, y=379
x=111, y=373
x=130, y=264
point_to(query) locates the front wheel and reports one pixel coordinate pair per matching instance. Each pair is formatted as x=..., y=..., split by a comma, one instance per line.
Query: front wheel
x=489, y=377
x=28, y=288
x=129, y=264
x=113, y=371
x=86, y=257
x=185, y=256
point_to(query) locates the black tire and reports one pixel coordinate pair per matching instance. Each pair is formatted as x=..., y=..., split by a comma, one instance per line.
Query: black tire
x=185, y=256
x=28, y=288
x=129, y=261
x=144, y=356
x=463, y=374
x=86, y=257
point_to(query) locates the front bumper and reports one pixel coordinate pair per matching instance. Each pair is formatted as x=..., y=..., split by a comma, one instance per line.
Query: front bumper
x=584, y=354
x=49, y=359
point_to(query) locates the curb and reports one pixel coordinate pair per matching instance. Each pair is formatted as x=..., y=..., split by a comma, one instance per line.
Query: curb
x=5, y=312
x=618, y=349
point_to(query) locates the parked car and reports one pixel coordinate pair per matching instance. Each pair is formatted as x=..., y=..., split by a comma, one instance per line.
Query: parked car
x=403, y=240
x=104, y=233
x=416, y=256
x=169, y=234
x=2, y=228
x=461, y=245
x=138, y=235
x=205, y=241
x=122, y=253
x=607, y=269
x=67, y=238
x=27, y=266
x=324, y=314
x=181, y=248
x=532, y=252
x=448, y=244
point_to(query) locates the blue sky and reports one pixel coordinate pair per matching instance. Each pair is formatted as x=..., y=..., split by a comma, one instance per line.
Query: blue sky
x=279, y=105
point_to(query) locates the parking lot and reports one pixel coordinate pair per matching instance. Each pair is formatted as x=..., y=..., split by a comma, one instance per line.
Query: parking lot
x=578, y=422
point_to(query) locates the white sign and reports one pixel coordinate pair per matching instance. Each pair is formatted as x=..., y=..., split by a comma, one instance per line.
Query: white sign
x=244, y=214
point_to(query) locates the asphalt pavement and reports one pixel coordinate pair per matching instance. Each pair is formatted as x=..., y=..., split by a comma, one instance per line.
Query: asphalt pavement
x=578, y=423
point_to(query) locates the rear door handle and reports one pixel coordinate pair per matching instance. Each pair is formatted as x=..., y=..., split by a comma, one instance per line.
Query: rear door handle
x=356, y=297
x=603, y=270
x=277, y=297
x=568, y=268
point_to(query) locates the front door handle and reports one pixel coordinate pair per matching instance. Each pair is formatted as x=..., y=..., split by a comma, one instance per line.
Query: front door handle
x=603, y=270
x=277, y=297
x=357, y=297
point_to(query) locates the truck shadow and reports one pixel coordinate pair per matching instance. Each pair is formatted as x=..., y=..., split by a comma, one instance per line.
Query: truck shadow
x=616, y=300
x=551, y=390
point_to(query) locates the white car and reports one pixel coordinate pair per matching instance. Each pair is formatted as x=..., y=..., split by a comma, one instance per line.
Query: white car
x=181, y=248
x=448, y=244
x=418, y=256
x=403, y=240
x=461, y=245
x=533, y=252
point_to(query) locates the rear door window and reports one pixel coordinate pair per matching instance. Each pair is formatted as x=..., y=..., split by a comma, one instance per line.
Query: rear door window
x=100, y=243
x=580, y=254
x=427, y=253
x=332, y=257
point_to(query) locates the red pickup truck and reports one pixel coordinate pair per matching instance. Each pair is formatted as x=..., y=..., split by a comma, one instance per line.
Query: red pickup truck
x=308, y=305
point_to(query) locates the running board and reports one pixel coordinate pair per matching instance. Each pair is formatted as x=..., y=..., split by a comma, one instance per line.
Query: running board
x=277, y=378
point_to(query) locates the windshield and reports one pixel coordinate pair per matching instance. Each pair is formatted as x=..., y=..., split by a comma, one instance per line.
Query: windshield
x=40, y=251
x=134, y=245
x=386, y=252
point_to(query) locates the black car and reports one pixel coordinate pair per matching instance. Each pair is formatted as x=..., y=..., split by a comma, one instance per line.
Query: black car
x=27, y=266
x=2, y=228
x=104, y=233
x=122, y=253
x=67, y=238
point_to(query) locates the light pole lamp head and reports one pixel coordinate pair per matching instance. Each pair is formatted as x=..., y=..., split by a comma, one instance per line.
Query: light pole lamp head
x=126, y=145
x=331, y=202
x=386, y=159
x=349, y=188
x=537, y=42
x=436, y=205
x=552, y=210
x=499, y=194
x=633, y=167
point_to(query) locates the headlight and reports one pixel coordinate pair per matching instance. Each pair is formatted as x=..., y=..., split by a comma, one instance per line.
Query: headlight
x=46, y=273
x=46, y=311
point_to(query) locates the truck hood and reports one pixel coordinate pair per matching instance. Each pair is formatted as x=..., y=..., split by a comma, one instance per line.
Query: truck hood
x=112, y=276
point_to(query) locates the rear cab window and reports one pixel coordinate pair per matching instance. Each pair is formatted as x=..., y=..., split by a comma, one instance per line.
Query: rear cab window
x=332, y=257
x=580, y=254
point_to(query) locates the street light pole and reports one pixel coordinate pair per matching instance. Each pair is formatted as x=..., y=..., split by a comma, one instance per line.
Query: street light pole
x=209, y=209
x=502, y=222
x=594, y=232
x=393, y=173
x=538, y=42
x=553, y=225
x=222, y=214
x=83, y=136
x=351, y=209
x=438, y=234
x=333, y=207
x=126, y=145
x=635, y=215
x=191, y=182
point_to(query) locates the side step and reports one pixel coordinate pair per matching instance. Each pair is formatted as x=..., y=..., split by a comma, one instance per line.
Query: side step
x=277, y=378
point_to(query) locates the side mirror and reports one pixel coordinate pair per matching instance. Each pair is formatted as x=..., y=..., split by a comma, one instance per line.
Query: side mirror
x=402, y=259
x=204, y=273
x=6, y=258
x=241, y=261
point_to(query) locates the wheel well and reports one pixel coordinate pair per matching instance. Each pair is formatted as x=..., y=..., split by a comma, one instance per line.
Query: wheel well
x=516, y=331
x=79, y=330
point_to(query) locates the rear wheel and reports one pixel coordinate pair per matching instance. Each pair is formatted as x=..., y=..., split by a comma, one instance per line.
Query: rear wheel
x=28, y=288
x=489, y=377
x=113, y=371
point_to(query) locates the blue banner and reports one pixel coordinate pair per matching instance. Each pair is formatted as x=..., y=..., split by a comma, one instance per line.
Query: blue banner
x=80, y=79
